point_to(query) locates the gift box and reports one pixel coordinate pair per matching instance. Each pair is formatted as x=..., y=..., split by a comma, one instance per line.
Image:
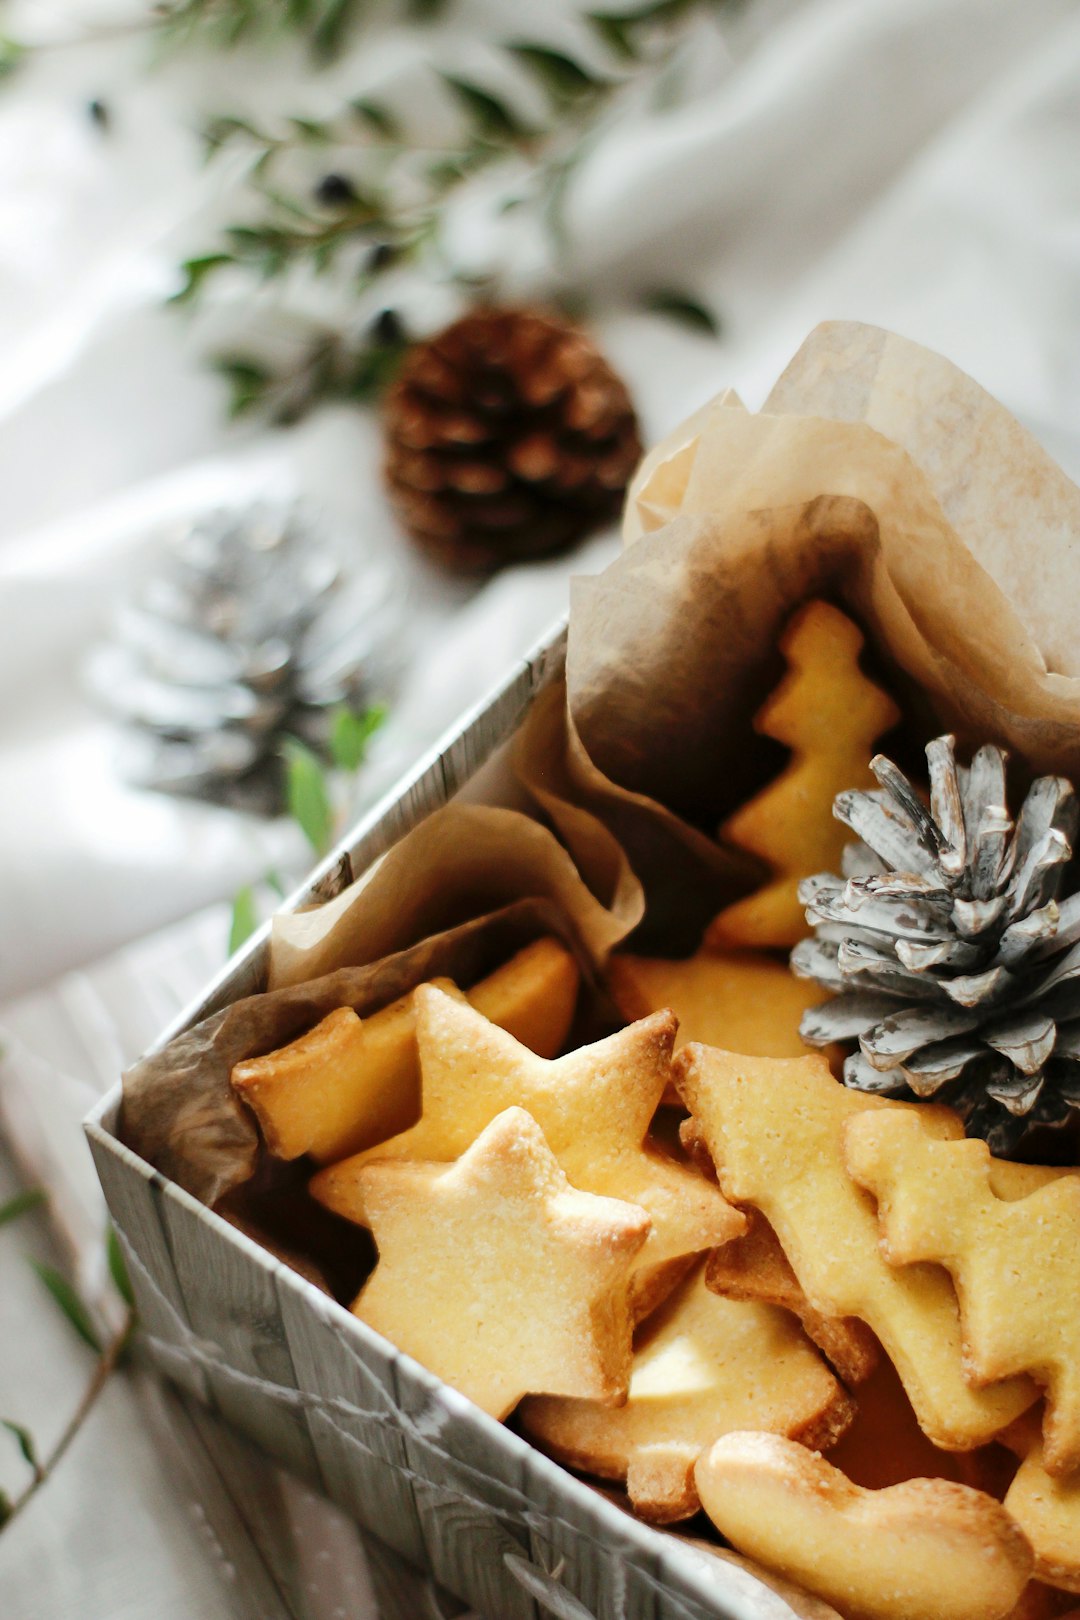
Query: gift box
x=879, y=479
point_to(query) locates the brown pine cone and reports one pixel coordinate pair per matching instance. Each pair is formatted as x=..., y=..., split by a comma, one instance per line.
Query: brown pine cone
x=508, y=436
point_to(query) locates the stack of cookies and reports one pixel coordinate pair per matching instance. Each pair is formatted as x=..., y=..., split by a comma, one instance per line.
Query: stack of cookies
x=689, y=1258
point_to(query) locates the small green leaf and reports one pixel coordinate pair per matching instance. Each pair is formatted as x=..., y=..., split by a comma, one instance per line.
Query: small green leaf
x=307, y=795
x=5, y=1508
x=309, y=129
x=118, y=1270
x=247, y=381
x=249, y=239
x=21, y=1203
x=245, y=918
x=616, y=32
x=195, y=272
x=329, y=33
x=69, y=1302
x=221, y=130
x=562, y=77
x=377, y=118
x=680, y=307
x=350, y=734
x=374, y=368
x=25, y=1441
x=11, y=55
x=489, y=113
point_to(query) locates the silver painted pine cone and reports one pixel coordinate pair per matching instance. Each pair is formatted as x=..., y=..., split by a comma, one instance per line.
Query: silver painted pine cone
x=253, y=629
x=955, y=964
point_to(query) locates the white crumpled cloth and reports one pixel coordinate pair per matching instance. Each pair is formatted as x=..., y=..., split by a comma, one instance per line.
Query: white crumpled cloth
x=907, y=162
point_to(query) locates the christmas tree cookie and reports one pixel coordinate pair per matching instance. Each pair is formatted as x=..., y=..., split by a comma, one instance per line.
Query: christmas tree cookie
x=1015, y=1262
x=830, y=716
x=774, y=1128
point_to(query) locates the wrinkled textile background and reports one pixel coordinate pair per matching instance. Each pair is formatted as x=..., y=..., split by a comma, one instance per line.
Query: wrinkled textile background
x=906, y=162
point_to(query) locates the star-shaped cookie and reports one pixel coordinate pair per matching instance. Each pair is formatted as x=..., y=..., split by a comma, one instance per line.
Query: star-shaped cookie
x=594, y=1106
x=498, y=1275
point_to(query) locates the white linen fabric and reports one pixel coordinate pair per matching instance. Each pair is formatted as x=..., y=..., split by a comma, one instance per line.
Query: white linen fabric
x=907, y=162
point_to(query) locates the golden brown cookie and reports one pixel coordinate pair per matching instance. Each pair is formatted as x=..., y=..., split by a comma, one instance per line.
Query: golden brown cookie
x=349, y=1083
x=499, y=1276
x=830, y=716
x=774, y=1129
x=1045, y=1508
x=702, y=1367
x=594, y=1106
x=927, y=1549
x=1016, y=1263
x=739, y=1000
x=754, y=1266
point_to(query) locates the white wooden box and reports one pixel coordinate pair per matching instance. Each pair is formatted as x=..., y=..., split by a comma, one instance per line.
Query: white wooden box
x=454, y=1492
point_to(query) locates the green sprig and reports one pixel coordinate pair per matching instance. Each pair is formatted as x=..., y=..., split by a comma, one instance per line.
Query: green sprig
x=325, y=24
x=308, y=795
x=681, y=307
x=351, y=733
x=22, y=1202
x=25, y=1442
x=69, y=1302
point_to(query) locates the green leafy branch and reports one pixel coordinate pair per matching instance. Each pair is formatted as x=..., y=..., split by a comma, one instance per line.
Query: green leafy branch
x=326, y=26
x=380, y=209
x=310, y=799
x=109, y=1356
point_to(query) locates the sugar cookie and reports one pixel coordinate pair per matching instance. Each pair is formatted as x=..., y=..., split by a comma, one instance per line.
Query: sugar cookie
x=740, y=1000
x=349, y=1083
x=830, y=716
x=754, y=1266
x=1015, y=1263
x=774, y=1127
x=1046, y=1509
x=462, y=1246
x=927, y=1549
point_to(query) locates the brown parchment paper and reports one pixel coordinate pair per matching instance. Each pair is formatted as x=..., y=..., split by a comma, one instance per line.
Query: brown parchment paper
x=688, y=875
x=671, y=650
x=1008, y=500
x=461, y=862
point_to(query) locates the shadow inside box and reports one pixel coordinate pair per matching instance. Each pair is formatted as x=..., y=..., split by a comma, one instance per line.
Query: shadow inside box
x=275, y=1209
